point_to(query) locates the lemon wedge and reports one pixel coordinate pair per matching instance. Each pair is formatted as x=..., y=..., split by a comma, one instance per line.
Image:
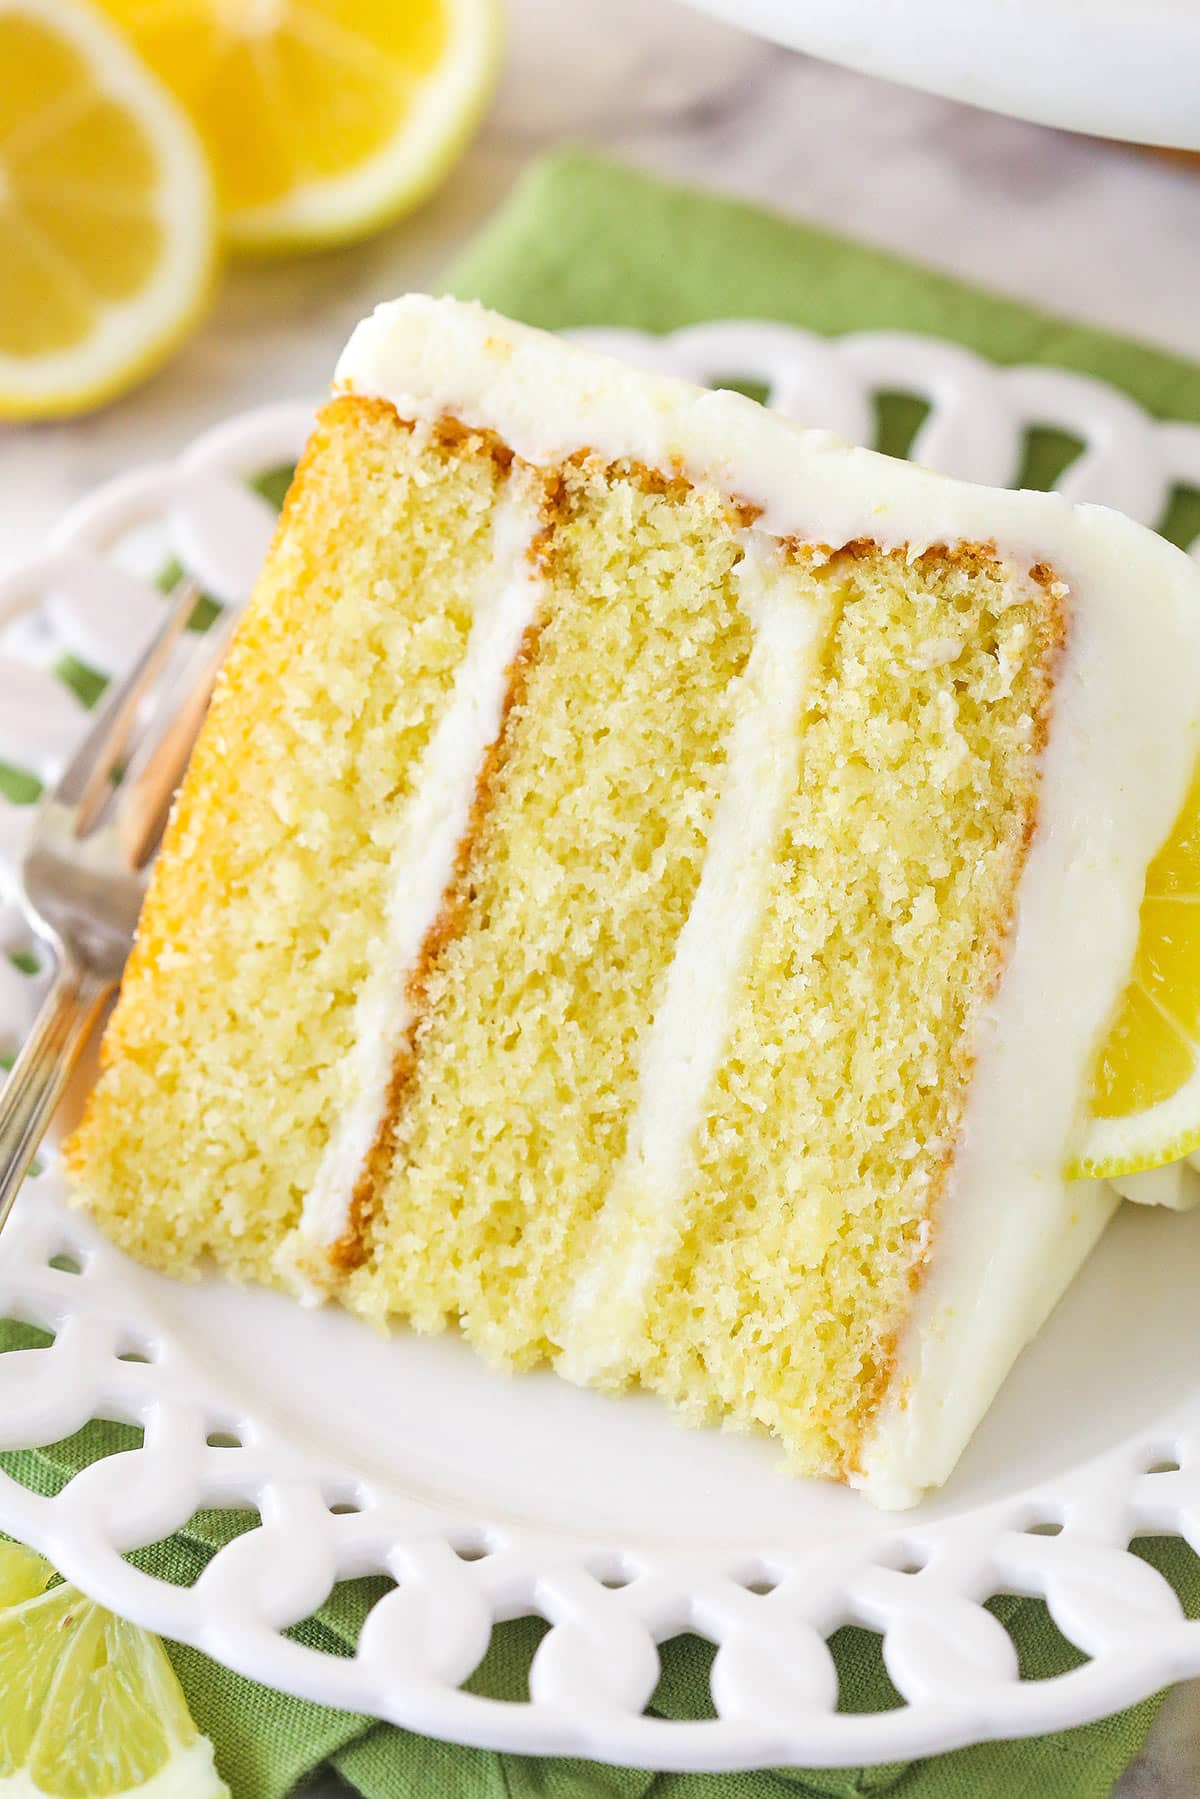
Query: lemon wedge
x=107, y=224
x=1145, y=1102
x=322, y=118
x=90, y=1707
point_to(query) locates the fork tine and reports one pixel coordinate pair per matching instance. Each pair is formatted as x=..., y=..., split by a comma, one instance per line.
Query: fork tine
x=85, y=780
x=82, y=899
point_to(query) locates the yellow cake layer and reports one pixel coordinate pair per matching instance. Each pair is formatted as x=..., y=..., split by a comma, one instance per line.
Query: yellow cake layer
x=226, y=1059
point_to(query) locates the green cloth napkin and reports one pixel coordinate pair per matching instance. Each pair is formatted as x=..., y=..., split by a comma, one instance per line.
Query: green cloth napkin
x=582, y=242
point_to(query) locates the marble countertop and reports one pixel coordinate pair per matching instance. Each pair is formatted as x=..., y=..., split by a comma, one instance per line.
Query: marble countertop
x=1094, y=230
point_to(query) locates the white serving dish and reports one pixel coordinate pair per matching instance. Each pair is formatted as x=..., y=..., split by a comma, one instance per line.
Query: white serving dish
x=1116, y=68
x=485, y=1498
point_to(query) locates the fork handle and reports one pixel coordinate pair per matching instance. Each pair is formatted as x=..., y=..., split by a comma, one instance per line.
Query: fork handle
x=40, y=1073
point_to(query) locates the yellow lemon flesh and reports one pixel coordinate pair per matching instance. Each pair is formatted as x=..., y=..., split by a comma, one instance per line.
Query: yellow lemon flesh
x=90, y=1707
x=322, y=118
x=1145, y=1103
x=107, y=222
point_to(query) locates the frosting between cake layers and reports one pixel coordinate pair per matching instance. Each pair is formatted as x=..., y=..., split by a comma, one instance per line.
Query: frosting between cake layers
x=1123, y=739
x=687, y=1037
x=433, y=825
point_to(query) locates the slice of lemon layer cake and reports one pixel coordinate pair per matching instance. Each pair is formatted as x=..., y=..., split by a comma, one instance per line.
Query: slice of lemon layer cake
x=651, y=890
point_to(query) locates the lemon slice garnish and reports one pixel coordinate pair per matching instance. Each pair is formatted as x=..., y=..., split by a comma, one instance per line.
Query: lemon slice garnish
x=90, y=1707
x=322, y=118
x=1145, y=1103
x=107, y=224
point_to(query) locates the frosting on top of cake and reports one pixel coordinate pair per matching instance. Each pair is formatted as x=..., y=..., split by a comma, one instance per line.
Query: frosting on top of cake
x=547, y=399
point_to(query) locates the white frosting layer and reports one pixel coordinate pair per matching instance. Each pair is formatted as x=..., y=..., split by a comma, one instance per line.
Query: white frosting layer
x=1010, y=1232
x=430, y=831
x=687, y=1037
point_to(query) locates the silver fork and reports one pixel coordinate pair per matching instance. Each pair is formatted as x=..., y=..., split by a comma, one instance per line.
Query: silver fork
x=85, y=869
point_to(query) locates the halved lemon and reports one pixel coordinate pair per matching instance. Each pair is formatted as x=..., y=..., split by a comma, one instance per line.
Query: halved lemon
x=322, y=118
x=1145, y=1103
x=107, y=224
x=90, y=1707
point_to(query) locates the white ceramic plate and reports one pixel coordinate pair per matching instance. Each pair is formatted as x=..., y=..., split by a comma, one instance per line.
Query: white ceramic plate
x=485, y=1498
x=1118, y=68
